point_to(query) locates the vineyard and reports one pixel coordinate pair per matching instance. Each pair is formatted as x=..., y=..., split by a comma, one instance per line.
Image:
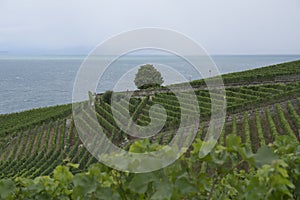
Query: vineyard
x=33, y=143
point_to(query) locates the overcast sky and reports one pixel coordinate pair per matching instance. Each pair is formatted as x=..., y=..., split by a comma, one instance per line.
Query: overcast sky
x=220, y=26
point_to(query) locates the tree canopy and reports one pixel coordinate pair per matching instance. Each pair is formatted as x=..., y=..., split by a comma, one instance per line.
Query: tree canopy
x=148, y=77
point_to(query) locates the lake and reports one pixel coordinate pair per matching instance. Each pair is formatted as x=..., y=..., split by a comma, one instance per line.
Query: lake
x=37, y=81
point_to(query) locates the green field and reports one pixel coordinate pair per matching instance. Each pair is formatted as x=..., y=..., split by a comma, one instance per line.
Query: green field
x=263, y=110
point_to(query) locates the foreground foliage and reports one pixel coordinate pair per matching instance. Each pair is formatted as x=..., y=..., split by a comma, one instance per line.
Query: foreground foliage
x=272, y=173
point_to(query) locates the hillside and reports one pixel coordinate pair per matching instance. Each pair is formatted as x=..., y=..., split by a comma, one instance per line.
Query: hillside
x=34, y=142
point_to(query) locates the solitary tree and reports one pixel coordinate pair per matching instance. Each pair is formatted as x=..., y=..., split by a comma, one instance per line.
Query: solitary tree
x=148, y=77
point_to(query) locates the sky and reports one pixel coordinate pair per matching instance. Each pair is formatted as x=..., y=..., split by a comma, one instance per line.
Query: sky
x=221, y=27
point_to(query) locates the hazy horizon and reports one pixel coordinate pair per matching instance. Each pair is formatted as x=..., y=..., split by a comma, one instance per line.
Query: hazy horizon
x=233, y=27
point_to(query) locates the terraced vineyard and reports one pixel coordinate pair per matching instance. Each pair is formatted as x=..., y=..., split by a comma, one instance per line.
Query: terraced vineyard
x=34, y=142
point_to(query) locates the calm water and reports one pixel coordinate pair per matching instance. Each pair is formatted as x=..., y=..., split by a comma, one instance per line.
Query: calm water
x=31, y=82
